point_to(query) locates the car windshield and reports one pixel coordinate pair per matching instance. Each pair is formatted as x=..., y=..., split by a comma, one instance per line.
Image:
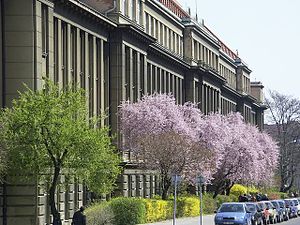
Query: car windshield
x=269, y=205
x=275, y=204
x=251, y=207
x=295, y=201
x=232, y=208
x=281, y=204
x=262, y=205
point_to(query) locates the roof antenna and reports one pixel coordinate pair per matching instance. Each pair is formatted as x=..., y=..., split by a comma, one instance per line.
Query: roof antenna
x=196, y=10
x=237, y=52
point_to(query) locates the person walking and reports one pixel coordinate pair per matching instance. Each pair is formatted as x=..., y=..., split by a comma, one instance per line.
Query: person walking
x=79, y=218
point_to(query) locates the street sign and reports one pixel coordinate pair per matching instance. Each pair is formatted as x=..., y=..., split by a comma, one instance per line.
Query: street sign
x=201, y=180
x=176, y=179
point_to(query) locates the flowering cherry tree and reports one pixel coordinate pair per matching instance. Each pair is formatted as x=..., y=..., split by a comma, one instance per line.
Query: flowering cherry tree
x=244, y=159
x=165, y=137
x=179, y=139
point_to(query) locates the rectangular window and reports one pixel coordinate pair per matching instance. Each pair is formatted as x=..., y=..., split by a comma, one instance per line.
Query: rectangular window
x=135, y=74
x=56, y=51
x=166, y=37
x=174, y=42
x=73, y=52
x=142, y=74
x=147, y=22
x=127, y=71
x=162, y=30
x=157, y=30
x=154, y=79
x=45, y=31
x=152, y=26
x=170, y=39
x=138, y=11
x=91, y=76
x=64, y=53
x=195, y=50
x=158, y=80
x=98, y=76
x=196, y=99
x=82, y=59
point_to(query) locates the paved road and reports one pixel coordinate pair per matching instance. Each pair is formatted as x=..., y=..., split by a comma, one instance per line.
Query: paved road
x=295, y=221
x=209, y=220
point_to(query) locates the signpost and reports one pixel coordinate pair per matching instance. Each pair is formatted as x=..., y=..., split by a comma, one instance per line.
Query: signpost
x=201, y=181
x=175, y=179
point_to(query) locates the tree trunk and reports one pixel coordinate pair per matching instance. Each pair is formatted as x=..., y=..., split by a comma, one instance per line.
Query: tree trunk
x=217, y=189
x=228, y=188
x=166, y=183
x=54, y=211
x=284, y=187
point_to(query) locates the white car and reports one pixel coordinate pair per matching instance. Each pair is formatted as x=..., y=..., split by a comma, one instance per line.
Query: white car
x=297, y=203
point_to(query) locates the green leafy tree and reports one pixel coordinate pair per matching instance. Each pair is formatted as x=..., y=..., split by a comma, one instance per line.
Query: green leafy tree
x=48, y=132
x=3, y=155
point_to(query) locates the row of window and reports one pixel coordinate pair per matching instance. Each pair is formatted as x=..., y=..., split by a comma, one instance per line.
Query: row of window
x=205, y=55
x=140, y=185
x=246, y=84
x=227, y=106
x=131, y=9
x=134, y=74
x=164, y=35
x=79, y=59
x=210, y=99
x=155, y=79
x=228, y=75
x=160, y=80
x=249, y=115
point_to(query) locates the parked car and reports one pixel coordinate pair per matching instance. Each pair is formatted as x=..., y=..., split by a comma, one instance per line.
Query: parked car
x=256, y=213
x=284, y=209
x=296, y=203
x=293, y=211
x=272, y=211
x=281, y=210
x=265, y=212
x=233, y=213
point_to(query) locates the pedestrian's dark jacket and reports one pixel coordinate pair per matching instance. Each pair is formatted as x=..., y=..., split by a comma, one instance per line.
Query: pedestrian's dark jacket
x=79, y=218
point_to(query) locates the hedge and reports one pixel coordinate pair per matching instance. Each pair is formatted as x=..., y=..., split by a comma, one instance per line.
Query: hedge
x=131, y=211
x=99, y=214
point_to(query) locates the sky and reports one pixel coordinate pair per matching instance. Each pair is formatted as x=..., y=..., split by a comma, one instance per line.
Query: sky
x=266, y=34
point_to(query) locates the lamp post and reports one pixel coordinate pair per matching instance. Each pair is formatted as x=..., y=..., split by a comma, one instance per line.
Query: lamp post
x=175, y=179
x=200, y=181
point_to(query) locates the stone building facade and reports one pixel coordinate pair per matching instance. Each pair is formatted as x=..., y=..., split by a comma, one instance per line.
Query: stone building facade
x=116, y=50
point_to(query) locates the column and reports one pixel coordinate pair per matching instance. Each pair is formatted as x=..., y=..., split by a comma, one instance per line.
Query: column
x=140, y=186
x=125, y=185
x=133, y=185
x=147, y=186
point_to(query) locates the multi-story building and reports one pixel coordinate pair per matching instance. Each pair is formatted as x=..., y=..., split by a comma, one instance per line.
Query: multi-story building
x=116, y=50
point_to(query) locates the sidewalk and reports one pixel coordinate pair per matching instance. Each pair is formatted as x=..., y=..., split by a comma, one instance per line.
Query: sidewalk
x=207, y=220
